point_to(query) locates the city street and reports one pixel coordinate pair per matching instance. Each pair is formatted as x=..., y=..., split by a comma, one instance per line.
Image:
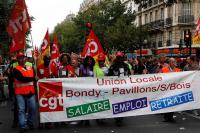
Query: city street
x=77, y=66
x=185, y=122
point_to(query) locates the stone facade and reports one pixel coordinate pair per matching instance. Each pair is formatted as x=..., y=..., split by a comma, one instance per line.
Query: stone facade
x=167, y=23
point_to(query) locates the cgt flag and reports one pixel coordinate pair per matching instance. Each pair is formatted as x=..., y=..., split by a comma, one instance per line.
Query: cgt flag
x=55, y=53
x=93, y=47
x=44, y=50
x=19, y=22
x=16, y=46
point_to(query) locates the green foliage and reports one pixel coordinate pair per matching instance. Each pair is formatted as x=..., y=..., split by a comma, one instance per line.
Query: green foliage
x=5, y=40
x=67, y=36
x=112, y=22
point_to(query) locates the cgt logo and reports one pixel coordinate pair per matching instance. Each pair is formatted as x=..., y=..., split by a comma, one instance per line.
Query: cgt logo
x=50, y=97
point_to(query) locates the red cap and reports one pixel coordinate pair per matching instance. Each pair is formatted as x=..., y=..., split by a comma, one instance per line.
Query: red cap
x=119, y=54
x=20, y=54
x=101, y=56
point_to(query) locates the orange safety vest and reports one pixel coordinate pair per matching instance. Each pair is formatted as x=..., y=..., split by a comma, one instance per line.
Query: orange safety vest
x=167, y=70
x=23, y=88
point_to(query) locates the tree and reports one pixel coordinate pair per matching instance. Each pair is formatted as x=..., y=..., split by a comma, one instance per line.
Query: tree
x=5, y=40
x=67, y=36
x=112, y=22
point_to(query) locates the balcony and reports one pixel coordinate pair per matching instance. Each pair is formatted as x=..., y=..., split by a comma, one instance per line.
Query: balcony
x=169, y=42
x=157, y=25
x=160, y=44
x=168, y=22
x=186, y=19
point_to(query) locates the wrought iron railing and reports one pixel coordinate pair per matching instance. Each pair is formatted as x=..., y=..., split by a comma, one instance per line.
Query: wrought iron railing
x=186, y=19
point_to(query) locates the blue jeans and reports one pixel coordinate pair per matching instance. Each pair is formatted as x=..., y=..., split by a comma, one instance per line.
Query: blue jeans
x=26, y=103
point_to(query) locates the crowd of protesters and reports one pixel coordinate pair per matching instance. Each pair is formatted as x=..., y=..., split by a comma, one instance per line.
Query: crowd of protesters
x=20, y=73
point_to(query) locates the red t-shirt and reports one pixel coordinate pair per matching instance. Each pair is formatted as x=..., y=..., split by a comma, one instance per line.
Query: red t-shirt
x=70, y=69
x=43, y=72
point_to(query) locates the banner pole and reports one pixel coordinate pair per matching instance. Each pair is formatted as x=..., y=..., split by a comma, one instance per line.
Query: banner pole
x=33, y=55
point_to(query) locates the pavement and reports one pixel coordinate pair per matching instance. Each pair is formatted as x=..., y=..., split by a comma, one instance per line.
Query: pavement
x=186, y=122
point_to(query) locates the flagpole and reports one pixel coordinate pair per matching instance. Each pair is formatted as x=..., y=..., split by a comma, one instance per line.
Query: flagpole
x=35, y=62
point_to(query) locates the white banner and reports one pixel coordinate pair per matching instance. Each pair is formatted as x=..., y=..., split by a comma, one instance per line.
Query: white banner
x=70, y=99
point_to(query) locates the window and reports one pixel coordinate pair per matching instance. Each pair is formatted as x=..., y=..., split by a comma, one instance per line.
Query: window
x=186, y=8
x=156, y=15
x=146, y=19
x=151, y=16
x=170, y=35
x=162, y=13
x=140, y=20
x=169, y=11
x=160, y=37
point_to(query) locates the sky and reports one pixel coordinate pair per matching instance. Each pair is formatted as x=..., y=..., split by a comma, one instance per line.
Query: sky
x=47, y=14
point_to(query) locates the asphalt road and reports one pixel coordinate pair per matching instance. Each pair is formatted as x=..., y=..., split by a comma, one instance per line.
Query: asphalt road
x=185, y=122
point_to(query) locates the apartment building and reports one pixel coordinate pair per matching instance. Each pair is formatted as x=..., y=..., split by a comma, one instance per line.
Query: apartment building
x=168, y=21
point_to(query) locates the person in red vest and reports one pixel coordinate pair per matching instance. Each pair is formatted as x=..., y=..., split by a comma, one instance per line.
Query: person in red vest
x=24, y=79
x=171, y=67
x=168, y=117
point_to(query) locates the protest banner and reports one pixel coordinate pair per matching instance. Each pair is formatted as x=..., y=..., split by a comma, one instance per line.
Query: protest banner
x=70, y=99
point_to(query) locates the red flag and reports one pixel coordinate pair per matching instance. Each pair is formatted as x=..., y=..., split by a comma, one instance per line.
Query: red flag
x=36, y=52
x=55, y=53
x=19, y=21
x=44, y=49
x=93, y=46
x=45, y=43
x=197, y=30
x=16, y=46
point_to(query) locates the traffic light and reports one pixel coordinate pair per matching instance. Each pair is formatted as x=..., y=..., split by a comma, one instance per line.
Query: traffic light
x=187, y=38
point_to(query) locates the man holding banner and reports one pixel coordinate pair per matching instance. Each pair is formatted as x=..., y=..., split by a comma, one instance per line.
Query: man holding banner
x=119, y=68
x=168, y=117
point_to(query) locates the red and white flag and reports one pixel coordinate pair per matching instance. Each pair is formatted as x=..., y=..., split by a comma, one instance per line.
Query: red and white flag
x=44, y=49
x=93, y=46
x=55, y=52
x=16, y=46
x=19, y=22
x=197, y=31
x=45, y=46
